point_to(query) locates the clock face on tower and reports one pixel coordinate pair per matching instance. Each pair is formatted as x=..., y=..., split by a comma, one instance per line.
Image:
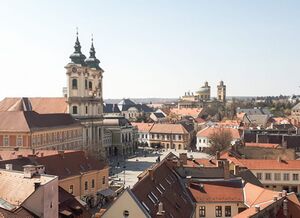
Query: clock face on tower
x=74, y=70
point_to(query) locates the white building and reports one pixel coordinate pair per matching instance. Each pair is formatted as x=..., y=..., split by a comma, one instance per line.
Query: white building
x=204, y=135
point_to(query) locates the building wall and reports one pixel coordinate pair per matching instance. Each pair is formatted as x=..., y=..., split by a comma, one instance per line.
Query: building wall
x=210, y=209
x=279, y=185
x=124, y=203
x=78, y=183
x=44, y=201
x=170, y=141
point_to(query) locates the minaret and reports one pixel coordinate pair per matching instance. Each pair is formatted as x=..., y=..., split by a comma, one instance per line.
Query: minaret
x=221, y=92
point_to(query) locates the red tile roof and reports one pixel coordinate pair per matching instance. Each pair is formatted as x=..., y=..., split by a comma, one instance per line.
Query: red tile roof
x=217, y=191
x=210, y=130
x=143, y=127
x=194, y=112
x=262, y=145
x=41, y=105
x=168, y=128
x=258, y=164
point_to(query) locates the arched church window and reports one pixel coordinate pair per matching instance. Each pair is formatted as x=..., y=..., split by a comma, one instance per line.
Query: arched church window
x=74, y=110
x=90, y=85
x=85, y=84
x=74, y=83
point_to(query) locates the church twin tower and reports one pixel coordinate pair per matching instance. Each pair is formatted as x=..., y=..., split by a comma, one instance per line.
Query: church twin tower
x=84, y=94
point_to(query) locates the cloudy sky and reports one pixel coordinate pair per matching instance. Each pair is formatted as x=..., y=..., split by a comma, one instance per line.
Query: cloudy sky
x=157, y=48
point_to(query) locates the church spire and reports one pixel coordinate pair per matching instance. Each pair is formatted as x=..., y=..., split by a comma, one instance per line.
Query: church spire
x=77, y=57
x=92, y=61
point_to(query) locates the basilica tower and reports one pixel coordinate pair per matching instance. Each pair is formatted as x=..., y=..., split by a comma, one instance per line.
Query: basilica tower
x=221, y=92
x=84, y=94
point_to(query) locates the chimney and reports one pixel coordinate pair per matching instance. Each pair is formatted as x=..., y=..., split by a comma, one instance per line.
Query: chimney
x=217, y=155
x=183, y=158
x=257, y=208
x=160, y=212
x=219, y=163
x=285, y=207
x=8, y=166
x=275, y=198
x=226, y=169
x=150, y=171
x=36, y=185
x=279, y=159
x=284, y=193
x=280, y=194
x=29, y=171
x=236, y=169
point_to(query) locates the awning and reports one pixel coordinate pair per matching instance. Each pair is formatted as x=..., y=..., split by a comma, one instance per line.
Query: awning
x=106, y=192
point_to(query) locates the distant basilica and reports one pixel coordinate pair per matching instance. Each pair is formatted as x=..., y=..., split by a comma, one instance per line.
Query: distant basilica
x=203, y=97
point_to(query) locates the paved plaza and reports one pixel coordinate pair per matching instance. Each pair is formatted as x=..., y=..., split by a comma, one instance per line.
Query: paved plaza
x=136, y=165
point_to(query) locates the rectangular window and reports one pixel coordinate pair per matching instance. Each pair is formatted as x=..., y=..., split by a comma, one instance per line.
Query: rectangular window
x=71, y=189
x=93, y=183
x=259, y=176
x=267, y=176
x=86, y=185
x=218, y=211
x=6, y=140
x=179, y=137
x=19, y=141
x=103, y=180
x=286, y=176
x=295, y=176
x=202, y=211
x=227, y=211
x=277, y=176
x=199, y=140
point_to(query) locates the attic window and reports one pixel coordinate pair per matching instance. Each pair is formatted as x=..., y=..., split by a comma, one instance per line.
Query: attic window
x=154, y=196
x=168, y=181
x=81, y=167
x=151, y=198
x=162, y=186
x=147, y=208
x=68, y=171
x=159, y=190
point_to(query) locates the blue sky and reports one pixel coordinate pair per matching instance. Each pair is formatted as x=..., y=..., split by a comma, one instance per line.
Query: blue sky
x=155, y=48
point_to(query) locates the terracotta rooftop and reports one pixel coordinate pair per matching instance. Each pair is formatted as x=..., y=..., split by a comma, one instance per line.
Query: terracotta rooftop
x=262, y=164
x=63, y=165
x=26, y=121
x=143, y=127
x=210, y=130
x=8, y=155
x=168, y=128
x=161, y=184
x=193, y=112
x=15, y=188
x=202, y=162
x=40, y=105
x=217, y=191
x=262, y=145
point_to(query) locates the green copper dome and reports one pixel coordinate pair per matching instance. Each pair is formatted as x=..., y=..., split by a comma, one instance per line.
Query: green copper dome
x=92, y=61
x=77, y=57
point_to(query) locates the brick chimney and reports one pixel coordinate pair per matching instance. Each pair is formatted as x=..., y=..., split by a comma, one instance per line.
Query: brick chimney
x=183, y=158
x=226, y=169
x=217, y=155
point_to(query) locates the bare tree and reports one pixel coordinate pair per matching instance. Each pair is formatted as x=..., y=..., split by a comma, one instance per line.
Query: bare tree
x=219, y=140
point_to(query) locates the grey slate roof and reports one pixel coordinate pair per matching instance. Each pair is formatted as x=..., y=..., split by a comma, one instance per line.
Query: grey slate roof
x=254, y=111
